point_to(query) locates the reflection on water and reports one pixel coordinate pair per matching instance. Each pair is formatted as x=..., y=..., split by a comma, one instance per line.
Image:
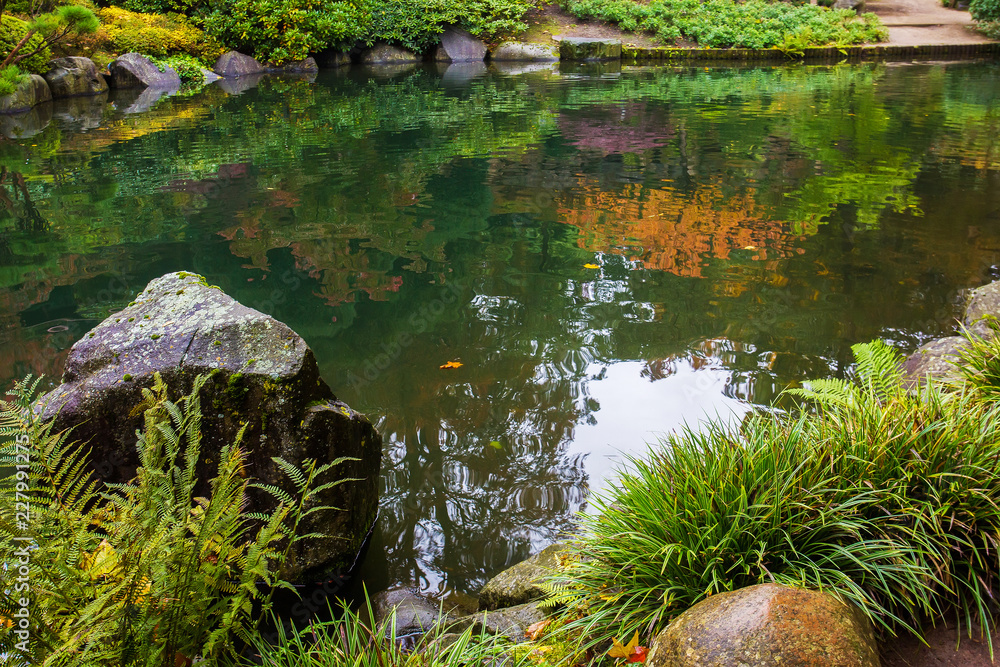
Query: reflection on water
x=610, y=256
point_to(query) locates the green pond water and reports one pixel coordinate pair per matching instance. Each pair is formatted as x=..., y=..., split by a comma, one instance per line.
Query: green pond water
x=609, y=255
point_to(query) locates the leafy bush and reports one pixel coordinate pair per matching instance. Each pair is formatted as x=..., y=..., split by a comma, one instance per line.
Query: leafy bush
x=123, y=31
x=754, y=24
x=417, y=25
x=285, y=30
x=187, y=67
x=889, y=499
x=12, y=30
x=985, y=10
x=990, y=29
x=140, y=573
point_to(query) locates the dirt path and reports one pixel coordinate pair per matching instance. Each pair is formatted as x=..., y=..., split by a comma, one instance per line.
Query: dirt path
x=917, y=22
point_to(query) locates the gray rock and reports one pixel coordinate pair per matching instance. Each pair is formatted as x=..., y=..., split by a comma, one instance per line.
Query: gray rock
x=73, y=76
x=307, y=66
x=235, y=64
x=856, y=5
x=27, y=124
x=511, y=622
x=583, y=48
x=459, y=46
x=767, y=626
x=133, y=70
x=414, y=613
x=519, y=51
x=264, y=375
x=386, y=54
x=31, y=92
x=519, y=584
x=933, y=361
x=983, y=306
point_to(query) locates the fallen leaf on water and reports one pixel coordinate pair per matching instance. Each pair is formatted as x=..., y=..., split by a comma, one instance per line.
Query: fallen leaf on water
x=535, y=630
x=631, y=652
x=495, y=444
x=451, y=364
x=591, y=266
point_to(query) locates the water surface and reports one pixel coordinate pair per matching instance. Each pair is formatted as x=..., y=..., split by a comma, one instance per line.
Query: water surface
x=609, y=255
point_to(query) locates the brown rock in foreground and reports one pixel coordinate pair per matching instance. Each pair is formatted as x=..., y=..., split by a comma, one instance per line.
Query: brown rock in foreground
x=767, y=626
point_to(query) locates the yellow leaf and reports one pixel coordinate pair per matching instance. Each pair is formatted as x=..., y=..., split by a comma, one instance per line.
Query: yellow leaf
x=591, y=266
x=619, y=651
x=451, y=364
x=749, y=247
x=103, y=562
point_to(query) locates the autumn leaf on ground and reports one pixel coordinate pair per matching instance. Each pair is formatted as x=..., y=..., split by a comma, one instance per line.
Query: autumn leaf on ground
x=631, y=652
x=591, y=266
x=535, y=630
x=451, y=364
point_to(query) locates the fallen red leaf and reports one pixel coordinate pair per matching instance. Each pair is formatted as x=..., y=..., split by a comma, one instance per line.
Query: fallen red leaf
x=535, y=630
x=639, y=654
x=451, y=364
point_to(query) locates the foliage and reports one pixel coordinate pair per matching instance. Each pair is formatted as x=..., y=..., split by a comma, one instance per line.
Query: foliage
x=140, y=573
x=187, y=67
x=285, y=30
x=417, y=25
x=990, y=29
x=10, y=78
x=886, y=498
x=124, y=31
x=754, y=24
x=985, y=10
x=350, y=641
x=12, y=30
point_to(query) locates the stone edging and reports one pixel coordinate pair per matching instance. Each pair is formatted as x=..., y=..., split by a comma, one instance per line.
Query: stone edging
x=634, y=54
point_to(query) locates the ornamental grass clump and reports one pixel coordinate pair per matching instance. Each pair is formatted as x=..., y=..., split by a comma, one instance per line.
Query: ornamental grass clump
x=890, y=499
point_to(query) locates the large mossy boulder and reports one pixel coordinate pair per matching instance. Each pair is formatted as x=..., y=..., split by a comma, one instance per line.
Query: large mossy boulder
x=134, y=70
x=387, y=54
x=31, y=92
x=524, y=52
x=767, y=626
x=263, y=375
x=520, y=584
x=583, y=49
x=74, y=76
x=983, y=308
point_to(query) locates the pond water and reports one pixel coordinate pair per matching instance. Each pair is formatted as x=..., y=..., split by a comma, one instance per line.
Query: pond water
x=609, y=255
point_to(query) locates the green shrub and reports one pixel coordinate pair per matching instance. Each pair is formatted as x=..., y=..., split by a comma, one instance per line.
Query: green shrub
x=139, y=573
x=989, y=29
x=889, y=499
x=187, y=67
x=124, y=31
x=10, y=78
x=985, y=10
x=417, y=25
x=285, y=30
x=12, y=30
x=754, y=24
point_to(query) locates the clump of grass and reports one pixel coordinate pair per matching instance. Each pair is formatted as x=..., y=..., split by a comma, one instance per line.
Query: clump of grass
x=350, y=641
x=889, y=499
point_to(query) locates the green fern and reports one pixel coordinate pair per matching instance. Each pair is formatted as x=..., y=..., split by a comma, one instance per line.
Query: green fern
x=144, y=572
x=879, y=374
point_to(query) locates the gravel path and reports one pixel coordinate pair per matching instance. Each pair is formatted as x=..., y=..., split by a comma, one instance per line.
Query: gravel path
x=915, y=22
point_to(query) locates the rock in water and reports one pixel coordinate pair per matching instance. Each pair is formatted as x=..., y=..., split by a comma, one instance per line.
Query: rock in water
x=460, y=46
x=133, y=70
x=265, y=375
x=75, y=75
x=520, y=584
x=234, y=64
x=767, y=626
x=30, y=92
x=582, y=48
